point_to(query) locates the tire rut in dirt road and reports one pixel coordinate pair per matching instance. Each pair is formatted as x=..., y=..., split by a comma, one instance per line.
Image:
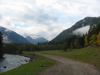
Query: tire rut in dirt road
x=67, y=66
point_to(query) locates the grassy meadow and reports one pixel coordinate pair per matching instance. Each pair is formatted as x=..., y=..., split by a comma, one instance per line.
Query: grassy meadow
x=88, y=54
x=32, y=68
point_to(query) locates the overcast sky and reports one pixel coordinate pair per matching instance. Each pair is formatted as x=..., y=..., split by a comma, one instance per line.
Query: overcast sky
x=45, y=18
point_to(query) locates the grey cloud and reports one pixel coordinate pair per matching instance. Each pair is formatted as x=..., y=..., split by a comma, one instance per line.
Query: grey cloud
x=5, y=39
x=0, y=16
x=45, y=18
x=7, y=30
x=39, y=16
x=82, y=30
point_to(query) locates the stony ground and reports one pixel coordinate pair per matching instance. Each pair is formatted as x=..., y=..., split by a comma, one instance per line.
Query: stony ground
x=67, y=66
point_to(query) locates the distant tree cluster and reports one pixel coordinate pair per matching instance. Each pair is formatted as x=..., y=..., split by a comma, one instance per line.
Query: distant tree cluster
x=76, y=42
x=65, y=46
x=18, y=49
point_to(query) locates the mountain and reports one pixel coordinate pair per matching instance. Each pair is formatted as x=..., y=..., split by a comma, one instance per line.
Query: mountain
x=36, y=40
x=80, y=24
x=11, y=37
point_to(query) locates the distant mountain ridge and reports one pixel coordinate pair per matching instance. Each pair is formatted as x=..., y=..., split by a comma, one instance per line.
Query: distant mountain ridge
x=82, y=23
x=11, y=37
x=36, y=40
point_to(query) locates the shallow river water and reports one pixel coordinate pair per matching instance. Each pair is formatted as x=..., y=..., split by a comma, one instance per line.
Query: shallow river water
x=12, y=61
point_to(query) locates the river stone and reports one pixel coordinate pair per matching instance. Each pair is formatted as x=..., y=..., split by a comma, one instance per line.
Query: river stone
x=4, y=67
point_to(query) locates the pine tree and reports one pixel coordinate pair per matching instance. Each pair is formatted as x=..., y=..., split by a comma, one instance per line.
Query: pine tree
x=1, y=52
x=97, y=29
x=82, y=41
x=91, y=31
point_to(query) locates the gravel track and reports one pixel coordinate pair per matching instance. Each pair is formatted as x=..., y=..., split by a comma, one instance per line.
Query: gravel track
x=67, y=66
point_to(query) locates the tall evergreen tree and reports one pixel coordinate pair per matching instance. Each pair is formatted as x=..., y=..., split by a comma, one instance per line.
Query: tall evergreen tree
x=1, y=51
x=81, y=40
x=91, y=31
x=97, y=29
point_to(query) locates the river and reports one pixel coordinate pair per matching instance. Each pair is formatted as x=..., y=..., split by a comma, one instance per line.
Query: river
x=12, y=61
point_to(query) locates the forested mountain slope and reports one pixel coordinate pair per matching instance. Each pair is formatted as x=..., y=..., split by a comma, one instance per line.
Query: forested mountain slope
x=82, y=23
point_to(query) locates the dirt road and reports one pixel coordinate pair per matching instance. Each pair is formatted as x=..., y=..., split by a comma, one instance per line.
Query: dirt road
x=67, y=66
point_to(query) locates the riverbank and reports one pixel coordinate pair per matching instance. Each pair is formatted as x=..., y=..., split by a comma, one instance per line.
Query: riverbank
x=12, y=61
x=32, y=68
x=32, y=57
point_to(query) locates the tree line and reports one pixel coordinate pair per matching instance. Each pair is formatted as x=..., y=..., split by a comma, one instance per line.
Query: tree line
x=18, y=49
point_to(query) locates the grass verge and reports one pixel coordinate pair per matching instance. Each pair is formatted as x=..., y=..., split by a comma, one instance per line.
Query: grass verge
x=89, y=55
x=32, y=68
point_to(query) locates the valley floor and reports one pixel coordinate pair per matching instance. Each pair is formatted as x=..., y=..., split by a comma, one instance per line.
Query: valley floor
x=67, y=66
